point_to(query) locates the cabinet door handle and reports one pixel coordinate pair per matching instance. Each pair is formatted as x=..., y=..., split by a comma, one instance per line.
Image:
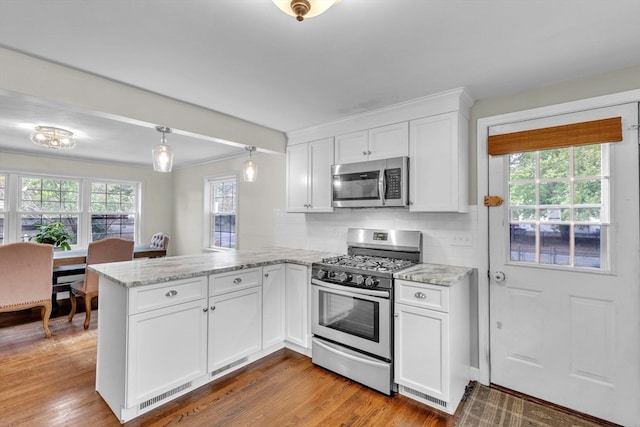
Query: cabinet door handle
x=213, y=307
x=171, y=293
x=205, y=309
x=237, y=280
x=266, y=275
x=420, y=295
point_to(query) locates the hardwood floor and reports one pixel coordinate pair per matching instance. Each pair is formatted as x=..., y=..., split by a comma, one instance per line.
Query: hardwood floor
x=50, y=382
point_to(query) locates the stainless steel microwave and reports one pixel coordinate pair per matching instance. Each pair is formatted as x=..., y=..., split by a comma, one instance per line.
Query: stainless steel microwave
x=374, y=183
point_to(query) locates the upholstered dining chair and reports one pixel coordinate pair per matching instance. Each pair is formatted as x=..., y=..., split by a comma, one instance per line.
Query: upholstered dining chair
x=102, y=251
x=160, y=241
x=26, y=271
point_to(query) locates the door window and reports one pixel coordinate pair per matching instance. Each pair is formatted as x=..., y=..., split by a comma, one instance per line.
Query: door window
x=558, y=206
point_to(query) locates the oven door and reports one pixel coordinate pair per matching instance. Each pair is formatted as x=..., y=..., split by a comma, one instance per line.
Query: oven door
x=354, y=317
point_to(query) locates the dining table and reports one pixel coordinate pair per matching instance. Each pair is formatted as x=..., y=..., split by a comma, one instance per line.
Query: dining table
x=74, y=262
x=79, y=256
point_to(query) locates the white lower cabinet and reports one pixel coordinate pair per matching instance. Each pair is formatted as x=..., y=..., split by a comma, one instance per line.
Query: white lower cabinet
x=235, y=317
x=297, y=305
x=160, y=341
x=167, y=349
x=152, y=343
x=431, y=344
x=273, y=303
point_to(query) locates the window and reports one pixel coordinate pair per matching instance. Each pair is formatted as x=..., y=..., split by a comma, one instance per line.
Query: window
x=113, y=210
x=559, y=206
x=47, y=200
x=89, y=209
x=222, y=211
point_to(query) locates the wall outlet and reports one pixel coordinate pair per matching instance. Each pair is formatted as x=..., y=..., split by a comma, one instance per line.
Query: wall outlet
x=461, y=239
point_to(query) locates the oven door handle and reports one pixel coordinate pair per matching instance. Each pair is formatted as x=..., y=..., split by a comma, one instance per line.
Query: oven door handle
x=352, y=290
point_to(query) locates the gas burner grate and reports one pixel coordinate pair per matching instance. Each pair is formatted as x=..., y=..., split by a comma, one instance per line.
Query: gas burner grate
x=369, y=263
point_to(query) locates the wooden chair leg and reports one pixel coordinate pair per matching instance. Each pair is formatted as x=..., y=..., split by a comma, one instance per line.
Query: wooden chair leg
x=72, y=298
x=87, y=309
x=46, y=314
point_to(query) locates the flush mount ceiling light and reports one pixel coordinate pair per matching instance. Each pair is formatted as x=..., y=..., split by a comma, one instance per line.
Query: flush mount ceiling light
x=54, y=138
x=250, y=168
x=304, y=8
x=162, y=153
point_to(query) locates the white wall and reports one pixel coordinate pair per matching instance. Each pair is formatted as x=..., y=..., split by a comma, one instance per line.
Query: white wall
x=257, y=202
x=157, y=188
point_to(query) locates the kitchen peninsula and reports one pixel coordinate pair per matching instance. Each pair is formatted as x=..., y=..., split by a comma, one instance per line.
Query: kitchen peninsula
x=167, y=326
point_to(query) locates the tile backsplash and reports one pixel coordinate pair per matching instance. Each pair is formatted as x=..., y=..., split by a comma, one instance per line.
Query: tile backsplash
x=447, y=238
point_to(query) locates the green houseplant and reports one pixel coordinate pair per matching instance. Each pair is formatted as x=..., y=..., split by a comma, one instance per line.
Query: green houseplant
x=54, y=234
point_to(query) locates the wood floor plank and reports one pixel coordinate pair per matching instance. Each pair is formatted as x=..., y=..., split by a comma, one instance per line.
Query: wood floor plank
x=51, y=382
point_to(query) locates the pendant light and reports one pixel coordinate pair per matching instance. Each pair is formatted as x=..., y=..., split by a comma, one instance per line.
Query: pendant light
x=162, y=153
x=304, y=8
x=250, y=168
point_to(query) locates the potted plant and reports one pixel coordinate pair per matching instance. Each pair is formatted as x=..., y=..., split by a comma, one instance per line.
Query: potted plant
x=54, y=234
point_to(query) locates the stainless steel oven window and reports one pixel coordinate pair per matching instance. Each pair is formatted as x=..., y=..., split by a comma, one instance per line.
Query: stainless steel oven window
x=350, y=314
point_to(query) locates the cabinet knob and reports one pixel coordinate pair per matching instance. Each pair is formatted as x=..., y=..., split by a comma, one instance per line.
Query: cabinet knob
x=205, y=309
x=364, y=153
x=368, y=152
x=266, y=274
x=213, y=307
x=237, y=280
x=420, y=295
x=171, y=293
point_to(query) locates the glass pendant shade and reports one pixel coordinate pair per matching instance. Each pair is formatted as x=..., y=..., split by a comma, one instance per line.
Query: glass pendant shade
x=54, y=138
x=302, y=9
x=250, y=168
x=162, y=153
x=162, y=158
x=249, y=171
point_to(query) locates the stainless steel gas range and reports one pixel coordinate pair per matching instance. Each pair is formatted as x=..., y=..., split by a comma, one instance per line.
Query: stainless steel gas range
x=352, y=304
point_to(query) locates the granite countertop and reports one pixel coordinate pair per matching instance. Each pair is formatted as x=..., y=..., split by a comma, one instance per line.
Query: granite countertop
x=437, y=274
x=141, y=272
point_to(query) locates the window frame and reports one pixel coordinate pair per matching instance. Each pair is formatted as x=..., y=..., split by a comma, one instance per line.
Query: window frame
x=208, y=225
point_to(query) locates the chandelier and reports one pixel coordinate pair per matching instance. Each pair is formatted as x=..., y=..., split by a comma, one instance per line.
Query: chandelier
x=162, y=153
x=54, y=138
x=304, y=8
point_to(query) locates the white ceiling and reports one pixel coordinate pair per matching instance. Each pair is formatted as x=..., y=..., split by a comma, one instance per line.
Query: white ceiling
x=247, y=59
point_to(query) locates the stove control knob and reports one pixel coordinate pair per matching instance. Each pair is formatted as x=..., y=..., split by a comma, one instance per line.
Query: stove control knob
x=343, y=276
x=371, y=281
x=359, y=279
x=321, y=274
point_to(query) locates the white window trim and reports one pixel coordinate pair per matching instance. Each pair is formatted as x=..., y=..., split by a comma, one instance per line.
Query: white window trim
x=206, y=212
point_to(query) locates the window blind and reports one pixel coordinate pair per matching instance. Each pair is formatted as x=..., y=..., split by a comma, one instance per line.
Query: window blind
x=592, y=132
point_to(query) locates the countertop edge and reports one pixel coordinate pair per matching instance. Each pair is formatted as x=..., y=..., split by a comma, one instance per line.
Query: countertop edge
x=435, y=274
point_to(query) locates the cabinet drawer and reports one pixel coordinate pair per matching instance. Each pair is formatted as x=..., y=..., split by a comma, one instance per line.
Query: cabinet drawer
x=422, y=295
x=234, y=280
x=152, y=297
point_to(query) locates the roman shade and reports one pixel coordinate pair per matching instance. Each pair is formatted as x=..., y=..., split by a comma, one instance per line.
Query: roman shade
x=592, y=132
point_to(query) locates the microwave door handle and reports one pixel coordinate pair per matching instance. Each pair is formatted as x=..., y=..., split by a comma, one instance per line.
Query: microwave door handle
x=381, y=188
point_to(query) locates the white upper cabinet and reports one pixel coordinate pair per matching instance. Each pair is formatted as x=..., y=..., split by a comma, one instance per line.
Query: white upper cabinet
x=309, y=176
x=438, y=170
x=378, y=143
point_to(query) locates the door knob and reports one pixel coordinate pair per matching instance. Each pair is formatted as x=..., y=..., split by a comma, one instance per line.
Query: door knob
x=499, y=276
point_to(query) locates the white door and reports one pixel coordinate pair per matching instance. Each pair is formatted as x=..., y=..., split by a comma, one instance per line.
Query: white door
x=569, y=335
